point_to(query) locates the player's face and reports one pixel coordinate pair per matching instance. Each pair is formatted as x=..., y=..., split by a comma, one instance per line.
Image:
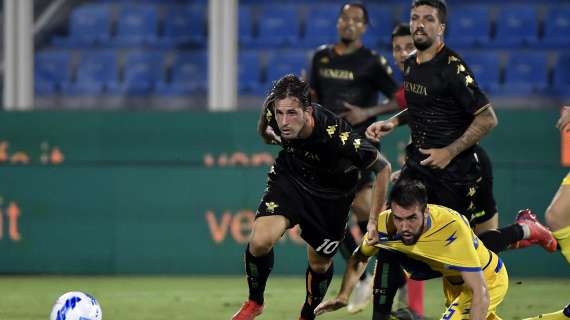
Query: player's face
x=351, y=23
x=425, y=26
x=291, y=118
x=409, y=222
x=402, y=46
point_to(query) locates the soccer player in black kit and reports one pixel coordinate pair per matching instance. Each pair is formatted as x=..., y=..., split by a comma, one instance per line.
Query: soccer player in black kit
x=346, y=77
x=311, y=184
x=448, y=114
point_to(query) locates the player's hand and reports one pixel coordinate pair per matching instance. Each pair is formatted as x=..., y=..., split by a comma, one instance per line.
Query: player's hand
x=564, y=119
x=395, y=176
x=330, y=305
x=354, y=114
x=437, y=158
x=372, y=232
x=274, y=137
x=379, y=129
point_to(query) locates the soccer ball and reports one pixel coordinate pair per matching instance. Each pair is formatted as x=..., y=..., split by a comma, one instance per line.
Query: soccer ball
x=76, y=305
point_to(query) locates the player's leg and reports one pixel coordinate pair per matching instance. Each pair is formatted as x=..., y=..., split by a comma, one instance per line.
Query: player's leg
x=558, y=217
x=360, y=208
x=317, y=280
x=388, y=277
x=563, y=314
x=267, y=230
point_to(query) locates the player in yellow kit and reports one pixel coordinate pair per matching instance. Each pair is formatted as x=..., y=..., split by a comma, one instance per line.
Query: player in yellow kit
x=558, y=219
x=432, y=241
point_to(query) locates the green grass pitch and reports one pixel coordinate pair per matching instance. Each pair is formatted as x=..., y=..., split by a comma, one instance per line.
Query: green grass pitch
x=216, y=298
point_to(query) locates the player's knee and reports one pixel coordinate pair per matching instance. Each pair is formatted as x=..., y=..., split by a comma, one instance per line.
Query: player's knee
x=554, y=217
x=321, y=266
x=260, y=245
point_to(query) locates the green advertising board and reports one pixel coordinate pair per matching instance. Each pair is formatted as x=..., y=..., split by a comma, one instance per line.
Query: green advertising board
x=175, y=193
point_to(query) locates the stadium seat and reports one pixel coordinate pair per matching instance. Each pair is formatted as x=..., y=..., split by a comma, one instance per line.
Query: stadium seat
x=95, y=71
x=379, y=27
x=51, y=69
x=89, y=25
x=285, y=62
x=279, y=26
x=516, y=26
x=320, y=26
x=249, y=73
x=245, y=26
x=470, y=26
x=189, y=75
x=525, y=74
x=561, y=85
x=141, y=72
x=557, y=27
x=486, y=69
x=184, y=27
x=136, y=26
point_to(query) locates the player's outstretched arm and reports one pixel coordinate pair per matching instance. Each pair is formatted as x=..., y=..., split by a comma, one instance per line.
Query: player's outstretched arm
x=379, y=194
x=480, y=294
x=355, y=266
x=379, y=129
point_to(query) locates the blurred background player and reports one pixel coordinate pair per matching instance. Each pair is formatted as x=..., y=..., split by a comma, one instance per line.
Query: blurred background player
x=346, y=77
x=558, y=219
x=447, y=119
x=432, y=241
x=311, y=184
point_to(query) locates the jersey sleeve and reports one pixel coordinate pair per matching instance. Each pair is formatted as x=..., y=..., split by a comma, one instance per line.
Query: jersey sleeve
x=464, y=87
x=350, y=144
x=383, y=79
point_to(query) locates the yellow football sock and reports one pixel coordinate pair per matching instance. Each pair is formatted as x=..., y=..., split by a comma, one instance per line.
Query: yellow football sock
x=563, y=237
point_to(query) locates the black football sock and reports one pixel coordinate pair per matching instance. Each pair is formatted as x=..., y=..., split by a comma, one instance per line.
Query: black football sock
x=388, y=277
x=316, y=286
x=257, y=270
x=500, y=239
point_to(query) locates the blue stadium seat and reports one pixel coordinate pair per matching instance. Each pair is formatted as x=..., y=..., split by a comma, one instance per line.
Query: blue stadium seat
x=95, y=72
x=189, y=75
x=89, y=25
x=245, y=26
x=142, y=71
x=486, y=68
x=279, y=26
x=136, y=26
x=526, y=73
x=320, y=27
x=379, y=27
x=249, y=73
x=469, y=26
x=285, y=62
x=561, y=83
x=557, y=27
x=516, y=26
x=184, y=27
x=51, y=69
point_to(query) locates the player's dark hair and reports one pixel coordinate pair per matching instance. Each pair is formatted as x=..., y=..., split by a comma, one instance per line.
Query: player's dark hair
x=408, y=192
x=402, y=29
x=290, y=86
x=440, y=5
x=355, y=4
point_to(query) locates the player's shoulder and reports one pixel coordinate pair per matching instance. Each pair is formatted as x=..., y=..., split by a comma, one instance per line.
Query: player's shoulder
x=383, y=218
x=450, y=60
x=322, y=51
x=325, y=119
x=443, y=216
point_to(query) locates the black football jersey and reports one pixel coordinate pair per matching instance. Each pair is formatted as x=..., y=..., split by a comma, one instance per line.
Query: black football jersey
x=355, y=78
x=327, y=164
x=442, y=98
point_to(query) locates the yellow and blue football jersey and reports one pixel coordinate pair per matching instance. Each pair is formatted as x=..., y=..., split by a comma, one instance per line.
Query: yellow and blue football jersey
x=446, y=248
